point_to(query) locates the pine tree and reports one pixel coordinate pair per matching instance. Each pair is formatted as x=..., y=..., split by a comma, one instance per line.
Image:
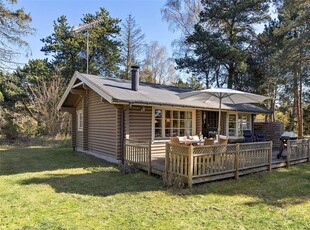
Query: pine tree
x=295, y=20
x=132, y=40
x=69, y=50
x=14, y=25
x=229, y=25
x=65, y=48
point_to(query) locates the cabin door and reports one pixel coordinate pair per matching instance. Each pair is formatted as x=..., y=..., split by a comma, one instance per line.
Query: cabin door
x=209, y=123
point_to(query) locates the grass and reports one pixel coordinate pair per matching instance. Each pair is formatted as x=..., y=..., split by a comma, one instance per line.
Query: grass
x=55, y=188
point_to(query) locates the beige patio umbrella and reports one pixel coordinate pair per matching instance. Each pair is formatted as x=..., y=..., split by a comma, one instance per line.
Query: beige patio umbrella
x=220, y=95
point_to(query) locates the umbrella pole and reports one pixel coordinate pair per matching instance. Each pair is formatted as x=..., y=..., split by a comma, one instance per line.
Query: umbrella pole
x=219, y=122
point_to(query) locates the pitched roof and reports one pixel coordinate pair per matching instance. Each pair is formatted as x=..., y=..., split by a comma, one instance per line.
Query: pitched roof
x=116, y=90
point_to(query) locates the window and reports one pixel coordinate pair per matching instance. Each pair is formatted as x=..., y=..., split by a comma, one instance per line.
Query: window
x=244, y=121
x=79, y=114
x=232, y=125
x=237, y=123
x=171, y=123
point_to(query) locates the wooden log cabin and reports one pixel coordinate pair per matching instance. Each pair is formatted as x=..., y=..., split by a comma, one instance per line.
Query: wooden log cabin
x=107, y=110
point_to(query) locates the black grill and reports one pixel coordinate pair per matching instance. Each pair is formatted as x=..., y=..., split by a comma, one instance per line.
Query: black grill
x=284, y=138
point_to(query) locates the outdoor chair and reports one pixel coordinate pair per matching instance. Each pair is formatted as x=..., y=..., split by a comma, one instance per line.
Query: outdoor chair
x=260, y=136
x=183, y=140
x=174, y=140
x=208, y=142
x=248, y=137
x=223, y=141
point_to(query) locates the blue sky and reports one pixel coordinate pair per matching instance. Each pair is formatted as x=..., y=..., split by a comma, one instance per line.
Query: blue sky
x=44, y=12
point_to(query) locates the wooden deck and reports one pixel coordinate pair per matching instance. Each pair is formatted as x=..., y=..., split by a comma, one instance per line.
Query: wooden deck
x=196, y=164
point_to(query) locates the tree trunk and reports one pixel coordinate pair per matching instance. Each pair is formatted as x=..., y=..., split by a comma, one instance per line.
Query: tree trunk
x=231, y=71
x=272, y=107
x=127, y=74
x=207, y=78
x=300, y=111
x=217, y=74
x=295, y=102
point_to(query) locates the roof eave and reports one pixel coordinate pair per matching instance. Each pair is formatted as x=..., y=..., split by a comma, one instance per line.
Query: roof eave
x=66, y=93
x=94, y=87
x=97, y=89
x=134, y=102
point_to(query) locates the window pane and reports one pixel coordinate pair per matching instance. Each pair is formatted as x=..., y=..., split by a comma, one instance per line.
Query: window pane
x=182, y=132
x=182, y=124
x=80, y=121
x=158, y=113
x=167, y=123
x=157, y=123
x=232, y=117
x=168, y=132
x=182, y=115
x=168, y=114
x=232, y=132
x=175, y=123
x=175, y=132
x=175, y=114
x=243, y=123
x=188, y=123
x=188, y=115
x=158, y=133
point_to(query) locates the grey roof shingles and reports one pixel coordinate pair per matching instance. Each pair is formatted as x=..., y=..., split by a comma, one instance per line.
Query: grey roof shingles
x=155, y=94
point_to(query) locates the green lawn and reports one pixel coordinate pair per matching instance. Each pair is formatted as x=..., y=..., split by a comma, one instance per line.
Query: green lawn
x=55, y=188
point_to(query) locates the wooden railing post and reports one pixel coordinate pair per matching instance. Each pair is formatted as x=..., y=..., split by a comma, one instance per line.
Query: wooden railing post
x=150, y=157
x=289, y=151
x=270, y=157
x=237, y=161
x=167, y=161
x=190, y=166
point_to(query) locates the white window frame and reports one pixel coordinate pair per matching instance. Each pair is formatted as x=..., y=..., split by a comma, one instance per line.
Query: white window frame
x=79, y=113
x=163, y=121
x=237, y=123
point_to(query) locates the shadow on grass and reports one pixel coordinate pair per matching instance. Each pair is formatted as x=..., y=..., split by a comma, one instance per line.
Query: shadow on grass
x=108, y=181
x=15, y=160
x=280, y=188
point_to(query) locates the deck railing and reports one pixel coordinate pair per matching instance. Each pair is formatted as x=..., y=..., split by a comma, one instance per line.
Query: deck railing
x=138, y=153
x=195, y=164
x=298, y=150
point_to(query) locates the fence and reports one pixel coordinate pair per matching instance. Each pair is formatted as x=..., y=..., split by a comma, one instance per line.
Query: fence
x=195, y=164
x=297, y=150
x=138, y=154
